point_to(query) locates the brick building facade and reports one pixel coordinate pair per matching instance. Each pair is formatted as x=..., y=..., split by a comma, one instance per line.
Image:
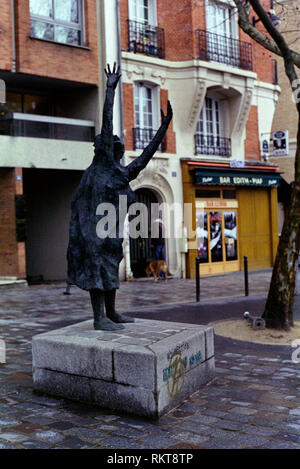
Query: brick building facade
x=221, y=87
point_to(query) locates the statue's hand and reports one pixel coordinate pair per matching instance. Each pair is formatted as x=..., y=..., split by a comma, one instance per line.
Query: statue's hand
x=166, y=119
x=112, y=77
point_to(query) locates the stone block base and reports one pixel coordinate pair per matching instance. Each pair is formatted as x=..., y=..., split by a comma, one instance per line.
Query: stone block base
x=146, y=369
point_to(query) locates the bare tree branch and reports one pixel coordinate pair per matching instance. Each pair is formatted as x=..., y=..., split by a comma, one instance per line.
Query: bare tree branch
x=259, y=36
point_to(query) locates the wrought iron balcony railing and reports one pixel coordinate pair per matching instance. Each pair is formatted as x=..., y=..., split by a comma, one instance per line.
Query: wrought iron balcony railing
x=146, y=39
x=225, y=50
x=214, y=146
x=31, y=125
x=142, y=137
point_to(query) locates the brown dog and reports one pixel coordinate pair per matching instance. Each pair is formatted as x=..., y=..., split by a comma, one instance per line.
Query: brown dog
x=155, y=268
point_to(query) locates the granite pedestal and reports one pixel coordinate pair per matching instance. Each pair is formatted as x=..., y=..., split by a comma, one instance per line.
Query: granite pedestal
x=145, y=369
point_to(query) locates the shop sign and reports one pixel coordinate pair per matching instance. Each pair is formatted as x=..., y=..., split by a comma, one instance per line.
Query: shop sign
x=237, y=179
x=217, y=204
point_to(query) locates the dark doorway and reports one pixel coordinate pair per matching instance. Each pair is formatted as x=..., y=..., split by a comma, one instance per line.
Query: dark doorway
x=48, y=194
x=140, y=248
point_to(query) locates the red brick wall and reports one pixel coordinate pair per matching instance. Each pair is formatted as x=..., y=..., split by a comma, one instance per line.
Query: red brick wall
x=262, y=58
x=8, y=243
x=170, y=137
x=128, y=114
x=57, y=60
x=252, y=145
x=124, y=15
x=5, y=36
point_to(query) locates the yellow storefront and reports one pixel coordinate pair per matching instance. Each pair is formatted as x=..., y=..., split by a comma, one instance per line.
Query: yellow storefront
x=233, y=214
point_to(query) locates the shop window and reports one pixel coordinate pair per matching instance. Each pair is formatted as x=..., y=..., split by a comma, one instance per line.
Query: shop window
x=207, y=194
x=216, y=233
x=229, y=194
x=230, y=235
x=215, y=244
x=57, y=20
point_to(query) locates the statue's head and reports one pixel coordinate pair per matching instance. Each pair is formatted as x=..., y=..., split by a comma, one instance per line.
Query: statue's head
x=119, y=148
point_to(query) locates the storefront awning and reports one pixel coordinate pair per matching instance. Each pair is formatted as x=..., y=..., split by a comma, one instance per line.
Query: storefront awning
x=235, y=178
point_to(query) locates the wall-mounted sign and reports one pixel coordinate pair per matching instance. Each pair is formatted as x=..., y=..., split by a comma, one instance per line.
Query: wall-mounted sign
x=265, y=146
x=237, y=164
x=281, y=142
x=240, y=178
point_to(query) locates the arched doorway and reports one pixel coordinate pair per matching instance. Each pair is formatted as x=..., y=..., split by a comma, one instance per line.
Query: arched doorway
x=140, y=248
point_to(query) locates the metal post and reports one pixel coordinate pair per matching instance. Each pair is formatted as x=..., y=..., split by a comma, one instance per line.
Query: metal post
x=198, y=279
x=246, y=275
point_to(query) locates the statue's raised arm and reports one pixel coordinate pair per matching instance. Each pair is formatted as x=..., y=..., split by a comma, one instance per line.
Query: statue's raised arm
x=105, y=141
x=141, y=162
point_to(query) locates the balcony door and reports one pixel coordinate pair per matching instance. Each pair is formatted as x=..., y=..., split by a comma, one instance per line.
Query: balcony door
x=222, y=37
x=145, y=114
x=209, y=134
x=143, y=11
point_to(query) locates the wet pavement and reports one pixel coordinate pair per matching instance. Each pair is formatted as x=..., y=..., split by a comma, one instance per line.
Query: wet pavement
x=254, y=401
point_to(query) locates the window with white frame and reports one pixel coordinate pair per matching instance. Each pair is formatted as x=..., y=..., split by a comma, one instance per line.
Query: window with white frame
x=209, y=139
x=221, y=19
x=145, y=114
x=143, y=11
x=222, y=33
x=57, y=20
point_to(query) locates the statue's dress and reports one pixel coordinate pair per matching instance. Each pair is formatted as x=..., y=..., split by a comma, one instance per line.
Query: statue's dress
x=93, y=261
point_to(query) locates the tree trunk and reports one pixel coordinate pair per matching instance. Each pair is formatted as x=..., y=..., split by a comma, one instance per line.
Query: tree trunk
x=278, y=312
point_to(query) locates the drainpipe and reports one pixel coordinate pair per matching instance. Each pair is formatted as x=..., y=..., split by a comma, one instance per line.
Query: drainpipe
x=128, y=272
x=120, y=64
x=13, y=36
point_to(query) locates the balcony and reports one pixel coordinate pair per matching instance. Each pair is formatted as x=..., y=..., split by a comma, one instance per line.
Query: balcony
x=31, y=125
x=214, y=146
x=146, y=39
x=142, y=138
x=225, y=50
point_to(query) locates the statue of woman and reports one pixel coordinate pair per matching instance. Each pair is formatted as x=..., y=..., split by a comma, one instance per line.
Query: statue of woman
x=93, y=261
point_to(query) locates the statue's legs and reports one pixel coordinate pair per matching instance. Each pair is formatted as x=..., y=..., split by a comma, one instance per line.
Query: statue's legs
x=101, y=322
x=111, y=313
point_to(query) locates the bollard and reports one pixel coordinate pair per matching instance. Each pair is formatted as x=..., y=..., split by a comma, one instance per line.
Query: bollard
x=246, y=275
x=198, y=279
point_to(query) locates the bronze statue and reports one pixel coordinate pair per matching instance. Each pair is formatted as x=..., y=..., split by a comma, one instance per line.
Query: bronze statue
x=93, y=261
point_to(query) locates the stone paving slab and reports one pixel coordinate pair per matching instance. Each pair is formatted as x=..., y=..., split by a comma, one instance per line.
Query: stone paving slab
x=238, y=385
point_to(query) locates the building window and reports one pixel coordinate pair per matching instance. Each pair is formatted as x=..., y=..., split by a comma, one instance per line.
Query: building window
x=57, y=20
x=143, y=34
x=221, y=20
x=220, y=41
x=143, y=11
x=209, y=138
x=145, y=114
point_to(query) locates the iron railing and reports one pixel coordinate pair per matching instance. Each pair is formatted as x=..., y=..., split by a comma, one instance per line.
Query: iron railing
x=225, y=50
x=146, y=39
x=210, y=145
x=27, y=125
x=142, y=137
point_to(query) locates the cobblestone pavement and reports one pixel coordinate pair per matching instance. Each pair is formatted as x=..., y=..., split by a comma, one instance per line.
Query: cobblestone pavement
x=254, y=401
